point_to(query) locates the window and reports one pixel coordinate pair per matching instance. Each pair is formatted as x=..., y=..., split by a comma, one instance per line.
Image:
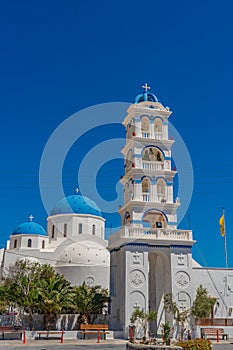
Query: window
x=80, y=228
x=53, y=231
x=15, y=243
x=43, y=244
x=93, y=230
x=29, y=243
x=65, y=230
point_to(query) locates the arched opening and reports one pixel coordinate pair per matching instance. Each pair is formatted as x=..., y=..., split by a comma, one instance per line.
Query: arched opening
x=145, y=127
x=53, y=231
x=29, y=243
x=161, y=190
x=80, y=228
x=15, y=243
x=65, y=230
x=152, y=158
x=146, y=188
x=93, y=230
x=159, y=283
x=154, y=219
x=158, y=128
x=127, y=218
x=43, y=245
x=129, y=161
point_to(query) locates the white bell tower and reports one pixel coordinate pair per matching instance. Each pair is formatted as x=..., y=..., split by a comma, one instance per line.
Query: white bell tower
x=149, y=255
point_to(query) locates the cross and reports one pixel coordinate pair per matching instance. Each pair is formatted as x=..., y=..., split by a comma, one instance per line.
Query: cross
x=136, y=305
x=136, y=256
x=77, y=190
x=146, y=87
x=181, y=259
x=31, y=218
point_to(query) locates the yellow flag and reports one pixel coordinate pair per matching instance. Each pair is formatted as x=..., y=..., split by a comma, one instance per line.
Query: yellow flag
x=222, y=225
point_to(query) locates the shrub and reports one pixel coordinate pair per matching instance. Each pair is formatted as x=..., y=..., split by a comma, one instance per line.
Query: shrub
x=196, y=344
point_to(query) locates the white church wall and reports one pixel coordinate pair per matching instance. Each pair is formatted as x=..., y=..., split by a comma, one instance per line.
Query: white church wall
x=219, y=283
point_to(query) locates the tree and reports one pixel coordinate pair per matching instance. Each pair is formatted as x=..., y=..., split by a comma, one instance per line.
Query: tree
x=180, y=316
x=203, y=303
x=55, y=295
x=90, y=301
x=35, y=288
x=143, y=318
x=21, y=287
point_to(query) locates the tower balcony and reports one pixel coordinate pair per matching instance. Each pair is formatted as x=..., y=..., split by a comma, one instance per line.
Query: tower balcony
x=154, y=166
x=129, y=234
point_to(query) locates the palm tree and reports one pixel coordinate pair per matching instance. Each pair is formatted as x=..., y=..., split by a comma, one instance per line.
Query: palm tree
x=55, y=294
x=90, y=301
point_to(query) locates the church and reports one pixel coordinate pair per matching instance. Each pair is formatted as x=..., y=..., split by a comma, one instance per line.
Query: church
x=149, y=256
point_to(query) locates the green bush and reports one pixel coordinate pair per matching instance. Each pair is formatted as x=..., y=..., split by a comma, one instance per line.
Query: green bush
x=196, y=344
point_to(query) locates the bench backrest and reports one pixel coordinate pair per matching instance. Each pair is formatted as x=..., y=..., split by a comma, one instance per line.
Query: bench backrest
x=9, y=328
x=84, y=326
x=212, y=330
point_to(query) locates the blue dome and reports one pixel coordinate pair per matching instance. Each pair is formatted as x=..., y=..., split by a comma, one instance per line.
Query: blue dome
x=76, y=204
x=146, y=96
x=29, y=228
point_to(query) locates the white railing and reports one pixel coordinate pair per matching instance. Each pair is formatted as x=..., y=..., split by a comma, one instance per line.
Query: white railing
x=148, y=165
x=158, y=135
x=151, y=233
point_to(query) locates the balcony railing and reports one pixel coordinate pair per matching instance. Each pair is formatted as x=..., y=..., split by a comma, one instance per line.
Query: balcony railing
x=151, y=233
x=149, y=165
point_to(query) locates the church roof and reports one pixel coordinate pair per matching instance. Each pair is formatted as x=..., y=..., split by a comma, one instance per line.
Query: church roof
x=76, y=204
x=29, y=227
x=146, y=96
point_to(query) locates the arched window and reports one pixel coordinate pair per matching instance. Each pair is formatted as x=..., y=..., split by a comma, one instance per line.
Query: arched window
x=93, y=230
x=53, y=231
x=145, y=127
x=43, y=244
x=158, y=128
x=80, y=228
x=15, y=243
x=65, y=230
x=29, y=243
x=146, y=189
x=161, y=190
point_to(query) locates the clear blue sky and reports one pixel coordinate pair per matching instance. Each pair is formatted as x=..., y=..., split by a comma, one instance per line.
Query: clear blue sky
x=58, y=57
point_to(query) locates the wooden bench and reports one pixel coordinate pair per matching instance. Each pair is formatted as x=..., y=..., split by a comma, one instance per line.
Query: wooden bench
x=94, y=329
x=213, y=333
x=48, y=333
x=11, y=330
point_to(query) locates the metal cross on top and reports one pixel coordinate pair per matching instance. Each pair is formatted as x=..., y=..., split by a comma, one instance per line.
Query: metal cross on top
x=146, y=87
x=31, y=217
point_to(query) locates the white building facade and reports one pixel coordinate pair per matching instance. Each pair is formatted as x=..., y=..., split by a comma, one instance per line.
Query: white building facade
x=149, y=255
x=74, y=242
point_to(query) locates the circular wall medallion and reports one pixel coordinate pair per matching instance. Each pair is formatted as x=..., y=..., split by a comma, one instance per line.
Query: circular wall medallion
x=90, y=281
x=182, y=279
x=136, y=278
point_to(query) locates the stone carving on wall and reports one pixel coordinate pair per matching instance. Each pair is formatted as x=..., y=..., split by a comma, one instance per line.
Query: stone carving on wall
x=182, y=279
x=136, y=278
x=184, y=301
x=136, y=258
x=90, y=281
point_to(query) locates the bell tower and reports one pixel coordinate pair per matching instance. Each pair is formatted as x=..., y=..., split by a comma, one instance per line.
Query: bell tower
x=148, y=178
x=150, y=256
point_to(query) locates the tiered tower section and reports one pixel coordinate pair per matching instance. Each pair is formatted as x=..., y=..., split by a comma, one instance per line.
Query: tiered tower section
x=150, y=256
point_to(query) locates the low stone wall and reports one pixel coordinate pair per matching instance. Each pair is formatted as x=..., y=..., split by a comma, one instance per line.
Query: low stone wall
x=131, y=346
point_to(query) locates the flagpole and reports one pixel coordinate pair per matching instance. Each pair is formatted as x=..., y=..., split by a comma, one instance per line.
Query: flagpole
x=225, y=238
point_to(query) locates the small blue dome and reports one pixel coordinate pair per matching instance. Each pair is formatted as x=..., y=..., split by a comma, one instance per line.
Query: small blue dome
x=146, y=96
x=30, y=228
x=76, y=204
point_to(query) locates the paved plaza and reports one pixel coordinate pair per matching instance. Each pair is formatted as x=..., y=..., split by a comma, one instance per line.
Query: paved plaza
x=117, y=344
